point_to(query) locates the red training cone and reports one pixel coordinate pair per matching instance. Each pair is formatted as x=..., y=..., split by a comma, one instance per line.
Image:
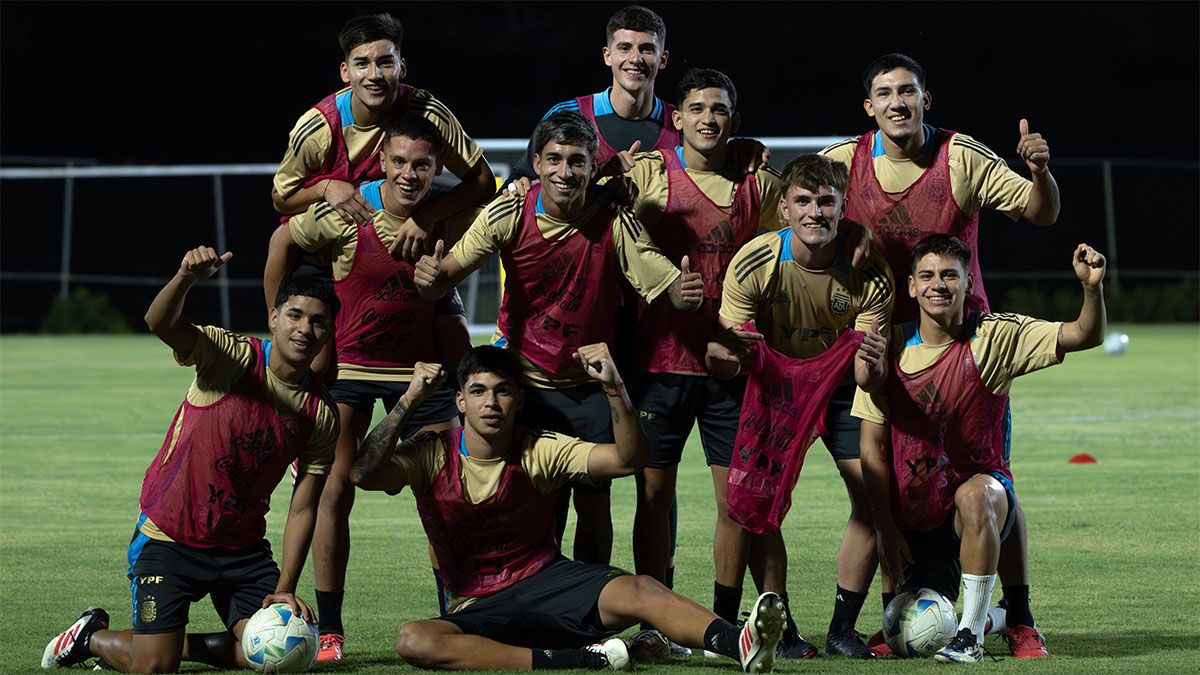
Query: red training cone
x=1082, y=458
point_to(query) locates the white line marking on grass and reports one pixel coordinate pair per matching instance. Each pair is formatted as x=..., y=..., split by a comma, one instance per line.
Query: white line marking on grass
x=79, y=437
x=1053, y=419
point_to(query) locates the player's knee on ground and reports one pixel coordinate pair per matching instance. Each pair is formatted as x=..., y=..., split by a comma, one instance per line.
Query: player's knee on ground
x=417, y=645
x=975, y=502
x=155, y=663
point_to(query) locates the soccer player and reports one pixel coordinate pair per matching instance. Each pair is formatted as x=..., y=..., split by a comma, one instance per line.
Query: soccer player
x=565, y=246
x=800, y=289
x=385, y=328
x=939, y=484
x=909, y=179
x=252, y=409
x=334, y=145
x=694, y=204
x=486, y=494
x=627, y=114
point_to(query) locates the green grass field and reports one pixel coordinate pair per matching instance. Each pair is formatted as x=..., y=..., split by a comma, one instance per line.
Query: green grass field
x=1115, y=546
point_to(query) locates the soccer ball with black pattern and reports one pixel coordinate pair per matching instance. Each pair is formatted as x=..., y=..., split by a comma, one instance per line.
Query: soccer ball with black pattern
x=278, y=641
x=920, y=623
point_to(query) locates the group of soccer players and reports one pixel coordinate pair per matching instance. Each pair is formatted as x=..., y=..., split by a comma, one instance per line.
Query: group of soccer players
x=759, y=306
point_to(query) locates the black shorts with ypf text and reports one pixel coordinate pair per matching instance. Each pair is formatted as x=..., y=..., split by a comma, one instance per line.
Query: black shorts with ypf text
x=581, y=411
x=557, y=608
x=669, y=404
x=361, y=395
x=166, y=578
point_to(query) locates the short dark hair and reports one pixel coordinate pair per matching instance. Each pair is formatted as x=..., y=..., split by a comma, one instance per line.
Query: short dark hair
x=368, y=28
x=417, y=128
x=705, y=78
x=489, y=359
x=812, y=172
x=942, y=245
x=889, y=62
x=568, y=128
x=309, y=286
x=638, y=19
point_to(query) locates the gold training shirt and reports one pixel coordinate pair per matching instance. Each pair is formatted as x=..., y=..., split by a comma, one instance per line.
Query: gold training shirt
x=310, y=140
x=979, y=178
x=221, y=358
x=801, y=312
x=1005, y=346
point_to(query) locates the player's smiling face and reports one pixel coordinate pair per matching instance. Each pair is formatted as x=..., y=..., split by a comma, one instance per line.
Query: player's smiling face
x=898, y=104
x=813, y=216
x=635, y=58
x=565, y=171
x=706, y=119
x=410, y=166
x=300, y=328
x=940, y=284
x=490, y=402
x=374, y=70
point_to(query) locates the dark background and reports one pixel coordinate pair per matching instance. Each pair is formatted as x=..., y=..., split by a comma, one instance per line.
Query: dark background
x=185, y=83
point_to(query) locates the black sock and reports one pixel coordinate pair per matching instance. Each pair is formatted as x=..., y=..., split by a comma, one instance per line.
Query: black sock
x=329, y=611
x=443, y=598
x=790, y=625
x=559, y=659
x=887, y=599
x=846, y=606
x=1019, y=613
x=721, y=637
x=727, y=600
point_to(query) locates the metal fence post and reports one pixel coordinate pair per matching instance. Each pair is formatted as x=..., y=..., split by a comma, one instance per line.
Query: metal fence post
x=64, y=266
x=1110, y=226
x=222, y=274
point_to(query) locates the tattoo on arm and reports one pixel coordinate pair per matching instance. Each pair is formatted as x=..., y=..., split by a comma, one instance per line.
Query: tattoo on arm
x=380, y=443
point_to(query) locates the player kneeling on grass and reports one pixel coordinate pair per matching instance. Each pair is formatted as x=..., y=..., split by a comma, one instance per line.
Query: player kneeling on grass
x=941, y=492
x=486, y=494
x=252, y=409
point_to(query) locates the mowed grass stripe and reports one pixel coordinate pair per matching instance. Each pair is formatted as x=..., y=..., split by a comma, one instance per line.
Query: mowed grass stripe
x=1115, y=553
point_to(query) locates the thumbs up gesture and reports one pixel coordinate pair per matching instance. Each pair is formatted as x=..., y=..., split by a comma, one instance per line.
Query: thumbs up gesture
x=428, y=269
x=1033, y=149
x=202, y=262
x=687, y=293
x=621, y=162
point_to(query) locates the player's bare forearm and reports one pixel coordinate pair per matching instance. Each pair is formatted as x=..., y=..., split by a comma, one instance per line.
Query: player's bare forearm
x=1044, y=204
x=165, y=315
x=298, y=530
x=299, y=200
x=378, y=447
x=476, y=188
x=1088, y=330
x=282, y=254
x=632, y=448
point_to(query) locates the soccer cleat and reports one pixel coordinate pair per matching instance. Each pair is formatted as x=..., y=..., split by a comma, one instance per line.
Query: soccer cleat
x=793, y=646
x=679, y=650
x=609, y=654
x=649, y=646
x=764, y=626
x=70, y=647
x=848, y=643
x=879, y=646
x=962, y=649
x=1025, y=642
x=331, y=647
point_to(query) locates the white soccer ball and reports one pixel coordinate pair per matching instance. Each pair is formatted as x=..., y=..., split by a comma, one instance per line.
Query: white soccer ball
x=1116, y=343
x=278, y=641
x=920, y=623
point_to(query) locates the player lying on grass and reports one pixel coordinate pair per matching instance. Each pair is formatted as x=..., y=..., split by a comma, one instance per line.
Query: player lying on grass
x=486, y=494
x=252, y=409
x=932, y=439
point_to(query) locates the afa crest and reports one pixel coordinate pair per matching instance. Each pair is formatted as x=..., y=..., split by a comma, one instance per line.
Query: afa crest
x=840, y=303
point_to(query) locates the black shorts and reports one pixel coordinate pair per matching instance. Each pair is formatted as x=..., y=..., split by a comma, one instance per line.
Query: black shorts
x=581, y=411
x=936, y=551
x=556, y=608
x=362, y=394
x=165, y=578
x=669, y=404
x=841, y=428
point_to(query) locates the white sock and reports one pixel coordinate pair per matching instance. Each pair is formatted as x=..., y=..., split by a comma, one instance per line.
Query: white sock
x=999, y=620
x=977, y=594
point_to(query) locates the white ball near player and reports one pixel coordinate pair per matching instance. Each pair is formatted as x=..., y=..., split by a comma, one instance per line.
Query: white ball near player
x=920, y=623
x=278, y=641
x=1116, y=343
